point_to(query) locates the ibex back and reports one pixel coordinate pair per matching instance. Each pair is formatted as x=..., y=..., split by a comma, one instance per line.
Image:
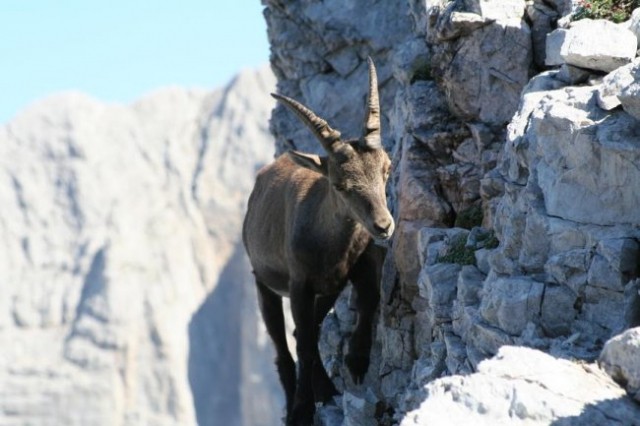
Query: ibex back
x=310, y=227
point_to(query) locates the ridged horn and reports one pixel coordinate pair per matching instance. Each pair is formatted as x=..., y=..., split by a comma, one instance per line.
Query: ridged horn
x=372, y=137
x=327, y=136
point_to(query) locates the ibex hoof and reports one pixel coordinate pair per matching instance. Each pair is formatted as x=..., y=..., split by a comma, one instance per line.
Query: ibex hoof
x=302, y=414
x=358, y=366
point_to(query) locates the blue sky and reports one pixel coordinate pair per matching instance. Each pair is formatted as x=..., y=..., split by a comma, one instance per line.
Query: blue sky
x=119, y=50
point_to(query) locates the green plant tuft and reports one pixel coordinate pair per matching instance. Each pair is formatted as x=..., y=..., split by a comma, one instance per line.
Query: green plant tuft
x=611, y=10
x=459, y=253
x=469, y=218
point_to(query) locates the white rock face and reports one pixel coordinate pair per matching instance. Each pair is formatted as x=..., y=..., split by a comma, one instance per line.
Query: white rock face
x=621, y=359
x=125, y=296
x=540, y=391
x=483, y=73
x=584, y=161
x=633, y=24
x=608, y=94
x=557, y=186
x=593, y=44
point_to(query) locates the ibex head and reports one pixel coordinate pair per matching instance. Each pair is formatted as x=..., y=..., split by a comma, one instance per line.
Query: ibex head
x=357, y=169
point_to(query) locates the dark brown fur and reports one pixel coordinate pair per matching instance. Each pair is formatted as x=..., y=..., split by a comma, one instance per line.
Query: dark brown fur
x=308, y=230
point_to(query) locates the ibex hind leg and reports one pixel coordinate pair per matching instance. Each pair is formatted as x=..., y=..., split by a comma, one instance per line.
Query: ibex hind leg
x=273, y=316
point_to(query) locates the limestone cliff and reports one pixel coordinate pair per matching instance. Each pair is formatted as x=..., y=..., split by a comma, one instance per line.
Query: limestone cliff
x=125, y=298
x=513, y=192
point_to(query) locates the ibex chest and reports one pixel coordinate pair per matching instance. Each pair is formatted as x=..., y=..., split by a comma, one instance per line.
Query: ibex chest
x=327, y=258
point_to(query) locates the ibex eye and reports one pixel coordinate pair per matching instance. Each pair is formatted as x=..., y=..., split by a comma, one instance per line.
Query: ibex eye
x=338, y=187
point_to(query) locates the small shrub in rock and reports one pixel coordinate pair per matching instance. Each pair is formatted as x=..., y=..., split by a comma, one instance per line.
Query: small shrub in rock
x=469, y=218
x=611, y=10
x=458, y=252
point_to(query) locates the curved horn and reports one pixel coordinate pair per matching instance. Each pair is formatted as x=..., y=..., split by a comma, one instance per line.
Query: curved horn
x=372, y=138
x=320, y=128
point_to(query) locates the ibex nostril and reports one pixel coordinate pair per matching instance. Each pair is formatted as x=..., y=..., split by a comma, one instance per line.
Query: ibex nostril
x=382, y=228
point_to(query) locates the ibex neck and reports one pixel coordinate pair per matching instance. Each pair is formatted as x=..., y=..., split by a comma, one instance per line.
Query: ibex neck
x=337, y=210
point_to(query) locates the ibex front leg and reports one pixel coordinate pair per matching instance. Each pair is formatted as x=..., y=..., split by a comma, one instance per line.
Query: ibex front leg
x=302, y=308
x=365, y=276
x=323, y=387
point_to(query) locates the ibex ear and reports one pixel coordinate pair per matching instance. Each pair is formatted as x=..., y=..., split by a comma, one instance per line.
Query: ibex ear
x=310, y=161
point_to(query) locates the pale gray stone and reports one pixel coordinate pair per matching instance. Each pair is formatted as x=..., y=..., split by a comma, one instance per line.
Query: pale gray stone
x=603, y=275
x=487, y=339
x=479, y=70
x=543, y=18
x=570, y=268
x=573, y=75
x=598, y=44
x=535, y=245
x=565, y=152
x=563, y=181
x=424, y=110
x=469, y=285
x=613, y=84
x=605, y=308
x=498, y=10
x=457, y=24
x=344, y=61
x=555, y=41
x=614, y=264
x=407, y=255
x=633, y=24
x=620, y=358
x=438, y=285
x=410, y=57
x=558, y=310
x=509, y=303
x=463, y=319
x=482, y=259
x=329, y=415
x=541, y=391
x=629, y=96
x=456, y=360
x=392, y=382
x=359, y=410
x=632, y=303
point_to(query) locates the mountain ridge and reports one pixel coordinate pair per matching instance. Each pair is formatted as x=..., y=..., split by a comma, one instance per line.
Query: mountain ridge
x=118, y=221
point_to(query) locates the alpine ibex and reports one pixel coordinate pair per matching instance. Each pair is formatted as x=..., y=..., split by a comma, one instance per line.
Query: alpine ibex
x=310, y=227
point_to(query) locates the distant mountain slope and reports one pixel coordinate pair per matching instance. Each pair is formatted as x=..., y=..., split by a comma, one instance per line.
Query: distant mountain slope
x=116, y=226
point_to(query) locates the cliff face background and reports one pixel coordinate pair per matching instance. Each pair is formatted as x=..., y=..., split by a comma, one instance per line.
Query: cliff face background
x=125, y=296
x=512, y=186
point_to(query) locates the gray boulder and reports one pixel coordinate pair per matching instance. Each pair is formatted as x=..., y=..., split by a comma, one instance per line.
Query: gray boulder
x=633, y=24
x=593, y=44
x=622, y=87
x=614, y=83
x=522, y=386
x=510, y=303
x=483, y=68
x=620, y=358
